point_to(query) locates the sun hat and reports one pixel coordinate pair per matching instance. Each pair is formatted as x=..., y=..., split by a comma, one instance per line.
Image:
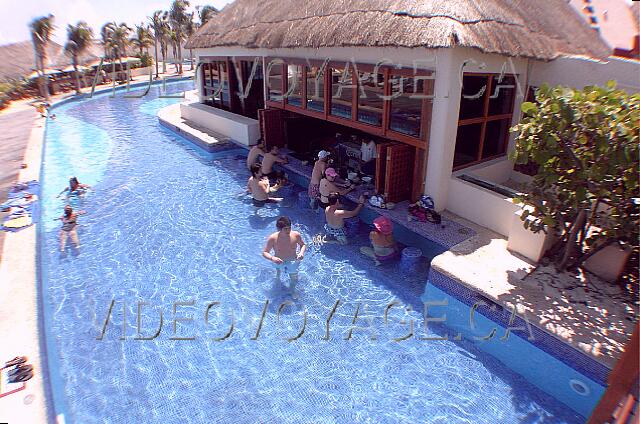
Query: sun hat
x=383, y=224
x=323, y=154
x=330, y=172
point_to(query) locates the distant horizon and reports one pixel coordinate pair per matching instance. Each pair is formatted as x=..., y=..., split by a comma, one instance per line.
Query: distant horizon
x=14, y=26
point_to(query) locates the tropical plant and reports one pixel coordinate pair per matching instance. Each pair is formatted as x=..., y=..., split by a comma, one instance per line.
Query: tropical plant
x=120, y=41
x=79, y=39
x=156, y=27
x=206, y=12
x=586, y=191
x=106, y=37
x=41, y=31
x=190, y=29
x=178, y=18
x=142, y=38
x=165, y=39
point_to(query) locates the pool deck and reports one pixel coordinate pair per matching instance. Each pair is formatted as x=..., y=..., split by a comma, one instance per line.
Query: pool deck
x=588, y=314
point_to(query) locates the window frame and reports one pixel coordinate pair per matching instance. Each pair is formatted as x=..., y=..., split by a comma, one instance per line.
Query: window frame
x=485, y=119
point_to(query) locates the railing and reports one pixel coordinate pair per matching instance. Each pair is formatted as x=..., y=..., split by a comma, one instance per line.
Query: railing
x=621, y=398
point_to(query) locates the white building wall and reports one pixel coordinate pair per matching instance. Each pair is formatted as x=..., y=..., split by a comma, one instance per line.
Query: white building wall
x=579, y=72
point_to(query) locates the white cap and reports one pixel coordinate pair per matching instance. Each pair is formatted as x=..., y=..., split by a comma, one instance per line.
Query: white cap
x=323, y=154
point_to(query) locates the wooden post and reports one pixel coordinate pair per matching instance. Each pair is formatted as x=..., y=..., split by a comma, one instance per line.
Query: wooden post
x=620, y=382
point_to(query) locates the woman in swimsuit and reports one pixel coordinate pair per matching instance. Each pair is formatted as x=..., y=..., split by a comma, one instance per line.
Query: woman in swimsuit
x=69, y=223
x=75, y=187
x=384, y=245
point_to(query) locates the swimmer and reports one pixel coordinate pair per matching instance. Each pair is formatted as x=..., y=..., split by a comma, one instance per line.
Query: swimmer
x=384, y=245
x=270, y=159
x=286, y=256
x=260, y=188
x=328, y=185
x=316, y=175
x=335, y=217
x=75, y=187
x=255, y=152
x=68, y=230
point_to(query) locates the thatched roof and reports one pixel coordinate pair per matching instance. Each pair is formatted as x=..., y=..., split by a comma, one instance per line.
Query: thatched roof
x=543, y=29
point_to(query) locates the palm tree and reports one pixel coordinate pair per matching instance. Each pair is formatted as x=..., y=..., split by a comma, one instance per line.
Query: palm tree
x=41, y=31
x=120, y=41
x=190, y=29
x=165, y=39
x=178, y=18
x=106, y=33
x=174, y=45
x=79, y=39
x=142, y=38
x=206, y=12
x=156, y=25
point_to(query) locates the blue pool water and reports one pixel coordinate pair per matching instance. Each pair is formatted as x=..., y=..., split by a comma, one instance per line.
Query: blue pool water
x=167, y=223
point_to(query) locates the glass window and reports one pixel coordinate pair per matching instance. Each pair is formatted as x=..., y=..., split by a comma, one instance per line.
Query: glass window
x=406, y=108
x=315, y=89
x=341, y=92
x=369, y=98
x=496, y=137
x=502, y=95
x=224, y=80
x=467, y=144
x=474, y=88
x=275, y=81
x=294, y=90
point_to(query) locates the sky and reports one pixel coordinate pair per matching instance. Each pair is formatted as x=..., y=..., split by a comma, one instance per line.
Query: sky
x=17, y=14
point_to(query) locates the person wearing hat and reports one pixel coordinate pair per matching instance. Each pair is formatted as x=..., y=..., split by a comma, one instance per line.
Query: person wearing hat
x=316, y=175
x=384, y=245
x=328, y=186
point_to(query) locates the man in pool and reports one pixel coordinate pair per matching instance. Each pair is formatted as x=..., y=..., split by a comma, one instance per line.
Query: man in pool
x=260, y=188
x=284, y=244
x=270, y=159
x=336, y=216
x=255, y=152
x=75, y=187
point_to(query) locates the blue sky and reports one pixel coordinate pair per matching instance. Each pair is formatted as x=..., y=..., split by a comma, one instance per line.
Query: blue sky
x=16, y=14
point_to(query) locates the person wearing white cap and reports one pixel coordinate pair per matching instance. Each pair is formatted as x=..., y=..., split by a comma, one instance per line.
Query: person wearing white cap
x=316, y=175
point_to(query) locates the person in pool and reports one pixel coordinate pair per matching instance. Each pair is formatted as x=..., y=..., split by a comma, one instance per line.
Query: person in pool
x=336, y=216
x=286, y=257
x=75, y=187
x=316, y=175
x=328, y=186
x=384, y=245
x=270, y=159
x=255, y=152
x=260, y=188
x=69, y=224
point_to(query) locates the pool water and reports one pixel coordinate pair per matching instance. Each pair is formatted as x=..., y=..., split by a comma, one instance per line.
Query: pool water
x=168, y=231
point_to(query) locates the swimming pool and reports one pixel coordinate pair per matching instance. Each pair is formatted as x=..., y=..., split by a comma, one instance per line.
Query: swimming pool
x=167, y=230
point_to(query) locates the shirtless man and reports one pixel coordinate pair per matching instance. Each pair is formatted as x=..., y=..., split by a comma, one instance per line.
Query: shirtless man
x=328, y=186
x=316, y=175
x=335, y=217
x=255, y=152
x=259, y=187
x=269, y=160
x=284, y=244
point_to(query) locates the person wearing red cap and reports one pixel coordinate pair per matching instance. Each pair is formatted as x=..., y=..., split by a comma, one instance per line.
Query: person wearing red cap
x=384, y=245
x=328, y=186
